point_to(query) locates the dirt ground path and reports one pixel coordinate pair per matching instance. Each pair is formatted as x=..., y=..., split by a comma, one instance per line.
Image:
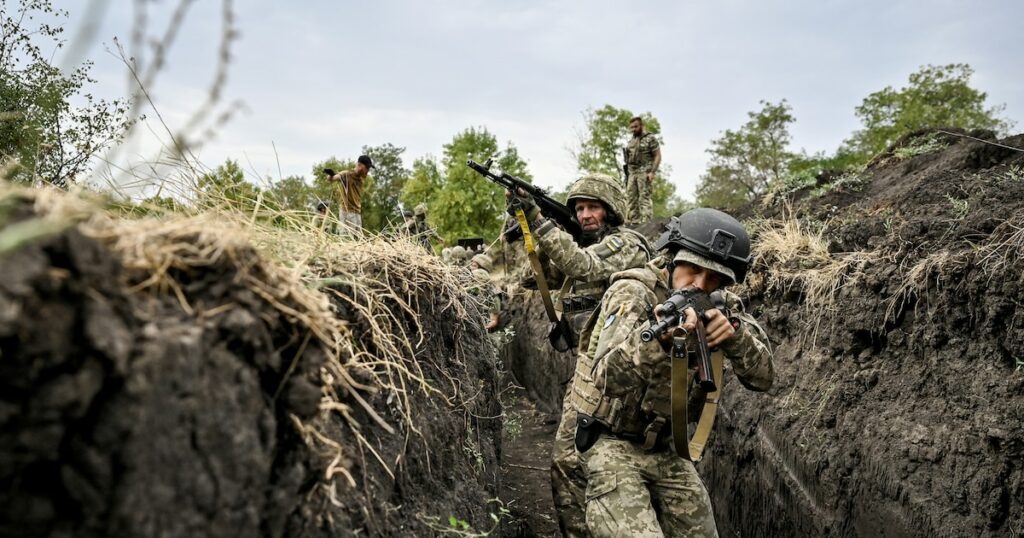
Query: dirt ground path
x=525, y=479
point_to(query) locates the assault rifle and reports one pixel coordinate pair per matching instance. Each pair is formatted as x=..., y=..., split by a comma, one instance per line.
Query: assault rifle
x=550, y=207
x=672, y=314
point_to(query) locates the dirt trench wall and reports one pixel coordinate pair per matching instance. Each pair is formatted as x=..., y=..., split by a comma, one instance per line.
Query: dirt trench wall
x=124, y=416
x=897, y=407
x=201, y=409
x=442, y=460
x=537, y=367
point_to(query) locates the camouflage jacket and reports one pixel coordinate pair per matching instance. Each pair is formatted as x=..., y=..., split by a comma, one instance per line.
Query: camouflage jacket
x=640, y=152
x=589, y=268
x=616, y=370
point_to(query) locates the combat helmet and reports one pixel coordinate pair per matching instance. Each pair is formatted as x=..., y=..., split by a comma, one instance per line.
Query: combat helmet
x=711, y=239
x=458, y=255
x=483, y=261
x=602, y=188
x=420, y=210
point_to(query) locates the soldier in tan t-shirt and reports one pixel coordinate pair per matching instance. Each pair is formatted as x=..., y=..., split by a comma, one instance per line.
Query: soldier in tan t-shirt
x=349, y=194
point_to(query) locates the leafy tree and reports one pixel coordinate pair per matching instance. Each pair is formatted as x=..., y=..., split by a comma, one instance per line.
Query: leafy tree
x=226, y=185
x=293, y=193
x=460, y=203
x=384, y=186
x=745, y=161
x=424, y=182
x=936, y=96
x=53, y=140
x=599, y=151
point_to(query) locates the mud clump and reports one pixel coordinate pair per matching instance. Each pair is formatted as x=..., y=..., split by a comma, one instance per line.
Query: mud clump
x=892, y=299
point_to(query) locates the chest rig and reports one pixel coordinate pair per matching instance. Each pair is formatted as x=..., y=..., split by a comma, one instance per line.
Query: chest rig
x=641, y=409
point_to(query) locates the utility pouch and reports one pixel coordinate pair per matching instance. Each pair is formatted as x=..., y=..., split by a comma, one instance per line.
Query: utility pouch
x=588, y=431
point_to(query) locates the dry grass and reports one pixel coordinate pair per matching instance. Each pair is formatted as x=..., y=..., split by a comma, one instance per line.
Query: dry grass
x=297, y=270
x=1003, y=249
x=919, y=278
x=792, y=257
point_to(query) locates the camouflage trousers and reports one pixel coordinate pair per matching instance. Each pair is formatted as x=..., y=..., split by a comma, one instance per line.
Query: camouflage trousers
x=568, y=483
x=639, y=206
x=633, y=492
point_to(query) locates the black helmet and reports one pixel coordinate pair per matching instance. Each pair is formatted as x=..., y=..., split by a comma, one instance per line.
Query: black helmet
x=711, y=239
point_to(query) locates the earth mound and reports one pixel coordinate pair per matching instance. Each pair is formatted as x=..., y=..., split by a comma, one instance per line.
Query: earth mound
x=165, y=377
x=892, y=297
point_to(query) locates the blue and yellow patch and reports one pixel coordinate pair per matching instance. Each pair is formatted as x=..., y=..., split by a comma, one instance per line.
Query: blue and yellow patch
x=615, y=244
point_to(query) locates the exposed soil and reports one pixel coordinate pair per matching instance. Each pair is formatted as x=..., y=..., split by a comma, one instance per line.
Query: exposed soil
x=124, y=413
x=124, y=416
x=897, y=409
x=525, y=470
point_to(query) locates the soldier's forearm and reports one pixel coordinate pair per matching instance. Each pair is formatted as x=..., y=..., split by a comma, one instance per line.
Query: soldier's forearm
x=562, y=250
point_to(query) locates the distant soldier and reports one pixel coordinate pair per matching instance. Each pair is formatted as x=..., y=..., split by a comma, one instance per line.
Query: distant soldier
x=458, y=256
x=322, y=218
x=418, y=229
x=643, y=156
x=481, y=266
x=446, y=255
x=349, y=194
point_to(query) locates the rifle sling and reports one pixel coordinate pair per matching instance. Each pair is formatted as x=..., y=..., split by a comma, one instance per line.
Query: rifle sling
x=538, y=271
x=694, y=449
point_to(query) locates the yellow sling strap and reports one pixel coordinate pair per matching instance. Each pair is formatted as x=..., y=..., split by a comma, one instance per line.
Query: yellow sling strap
x=538, y=270
x=693, y=449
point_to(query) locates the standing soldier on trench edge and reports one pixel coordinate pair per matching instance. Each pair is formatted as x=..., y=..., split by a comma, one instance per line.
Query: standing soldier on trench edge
x=637, y=485
x=349, y=195
x=643, y=156
x=604, y=248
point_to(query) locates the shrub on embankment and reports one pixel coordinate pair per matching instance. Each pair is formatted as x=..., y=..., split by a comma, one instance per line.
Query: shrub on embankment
x=208, y=375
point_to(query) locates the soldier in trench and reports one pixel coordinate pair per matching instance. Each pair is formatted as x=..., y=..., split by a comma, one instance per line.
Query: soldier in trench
x=582, y=270
x=637, y=485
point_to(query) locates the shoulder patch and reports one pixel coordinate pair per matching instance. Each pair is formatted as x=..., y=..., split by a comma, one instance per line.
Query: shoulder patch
x=615, y=244
x=608, y=247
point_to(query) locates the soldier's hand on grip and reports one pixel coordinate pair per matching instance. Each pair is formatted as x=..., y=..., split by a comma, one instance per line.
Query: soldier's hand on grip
x=522, y=201
x=718, y=327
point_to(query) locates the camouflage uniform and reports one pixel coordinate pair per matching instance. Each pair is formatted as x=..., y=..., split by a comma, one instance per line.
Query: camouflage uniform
x=586, y=271
x=632, y=491
x=480, y=267
x=640, y=154
x=419, y=231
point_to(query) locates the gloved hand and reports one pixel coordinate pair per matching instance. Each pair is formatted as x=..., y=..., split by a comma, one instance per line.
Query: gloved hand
x=524, y=202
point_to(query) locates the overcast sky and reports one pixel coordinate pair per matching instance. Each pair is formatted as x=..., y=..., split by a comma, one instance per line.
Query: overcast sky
x=322, y=78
